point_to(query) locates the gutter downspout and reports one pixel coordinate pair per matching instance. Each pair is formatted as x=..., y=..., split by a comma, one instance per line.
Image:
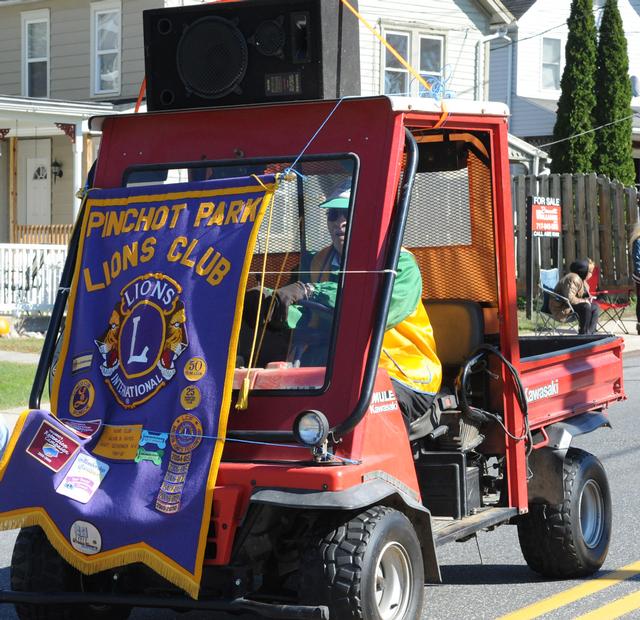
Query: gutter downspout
x=501, y=33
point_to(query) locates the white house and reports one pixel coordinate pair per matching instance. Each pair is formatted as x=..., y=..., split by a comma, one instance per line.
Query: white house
x=525, y=72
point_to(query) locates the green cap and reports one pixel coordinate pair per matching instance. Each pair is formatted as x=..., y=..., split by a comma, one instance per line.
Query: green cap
x=339, y=201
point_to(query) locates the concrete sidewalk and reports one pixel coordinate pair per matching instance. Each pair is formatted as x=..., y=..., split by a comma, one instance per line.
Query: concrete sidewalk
x=19, y=358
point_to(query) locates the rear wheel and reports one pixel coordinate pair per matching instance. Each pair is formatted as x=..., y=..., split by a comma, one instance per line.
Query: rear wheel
x=570, y=539
x=369, y=566
x=37, y=567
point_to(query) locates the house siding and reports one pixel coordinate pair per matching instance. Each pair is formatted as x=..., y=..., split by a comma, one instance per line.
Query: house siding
x=70, y=48
x=527, y=118
x=462, y=23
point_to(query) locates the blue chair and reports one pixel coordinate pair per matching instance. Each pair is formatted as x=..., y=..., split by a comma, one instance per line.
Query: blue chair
x=545, y=322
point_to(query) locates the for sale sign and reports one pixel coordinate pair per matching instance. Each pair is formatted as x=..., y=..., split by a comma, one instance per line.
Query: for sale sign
x=546, y=216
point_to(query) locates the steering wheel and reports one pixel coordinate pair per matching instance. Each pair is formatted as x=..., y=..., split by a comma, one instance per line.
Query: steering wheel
x=306, y=336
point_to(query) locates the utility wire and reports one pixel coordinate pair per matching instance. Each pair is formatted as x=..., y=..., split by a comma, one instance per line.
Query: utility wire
x=583, y=133
x=538, y=34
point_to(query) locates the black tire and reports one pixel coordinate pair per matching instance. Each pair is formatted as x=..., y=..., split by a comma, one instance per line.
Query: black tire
x=37, y=567
x=368, y=566
x=571, y=539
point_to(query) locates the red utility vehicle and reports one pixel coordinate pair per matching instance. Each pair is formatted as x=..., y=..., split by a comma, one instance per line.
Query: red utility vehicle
x=350, y=526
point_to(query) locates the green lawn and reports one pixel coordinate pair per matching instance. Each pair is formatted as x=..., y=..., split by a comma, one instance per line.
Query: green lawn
x=15, y=384
x=22, y=345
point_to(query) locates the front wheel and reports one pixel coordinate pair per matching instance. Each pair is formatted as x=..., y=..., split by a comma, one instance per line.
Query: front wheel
x=37, y=567
x=369, y=566
x=571, y=539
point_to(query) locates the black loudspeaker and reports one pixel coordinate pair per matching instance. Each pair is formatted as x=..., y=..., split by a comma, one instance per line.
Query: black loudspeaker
x=251, y=51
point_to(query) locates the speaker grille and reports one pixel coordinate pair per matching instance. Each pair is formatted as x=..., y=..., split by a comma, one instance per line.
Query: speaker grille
x=212, y=57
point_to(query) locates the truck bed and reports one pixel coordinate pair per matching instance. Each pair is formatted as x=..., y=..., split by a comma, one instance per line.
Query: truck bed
x=564, y=376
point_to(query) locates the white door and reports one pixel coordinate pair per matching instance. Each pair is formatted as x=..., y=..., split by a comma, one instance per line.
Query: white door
x=34, y=182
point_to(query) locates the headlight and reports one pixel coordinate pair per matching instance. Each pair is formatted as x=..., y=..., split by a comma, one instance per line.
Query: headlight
x=311, y=428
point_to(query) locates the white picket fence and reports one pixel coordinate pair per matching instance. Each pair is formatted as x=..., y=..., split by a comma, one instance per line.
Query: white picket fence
x=29, y=277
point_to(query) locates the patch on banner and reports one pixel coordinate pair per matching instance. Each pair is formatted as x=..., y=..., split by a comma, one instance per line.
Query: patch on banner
x=51, y=447
x=190, y=397
x=82, y=397
x=82, y=428
x=195, y=369
x=119, y=443
x=186, y=433
x=85, y=537
x=80, y=362
x=83, y=478
x=145, y=336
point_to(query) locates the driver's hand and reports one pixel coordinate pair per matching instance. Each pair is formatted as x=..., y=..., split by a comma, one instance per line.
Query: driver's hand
x=251, y=300
x=288, y=295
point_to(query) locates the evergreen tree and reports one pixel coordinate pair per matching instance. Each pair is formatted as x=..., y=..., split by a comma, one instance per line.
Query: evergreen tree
x=613, y=155
x=577, y=99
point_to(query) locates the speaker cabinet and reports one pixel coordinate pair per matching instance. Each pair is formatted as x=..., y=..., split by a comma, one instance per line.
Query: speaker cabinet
x=251, y=51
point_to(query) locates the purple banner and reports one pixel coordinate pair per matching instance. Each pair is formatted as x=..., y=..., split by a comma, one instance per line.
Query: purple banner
x=124, y=469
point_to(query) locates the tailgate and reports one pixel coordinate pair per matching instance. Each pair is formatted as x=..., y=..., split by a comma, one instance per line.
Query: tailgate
x=573, y=380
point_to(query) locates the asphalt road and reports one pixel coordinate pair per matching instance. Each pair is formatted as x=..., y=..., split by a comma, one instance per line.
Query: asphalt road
x=488, y=579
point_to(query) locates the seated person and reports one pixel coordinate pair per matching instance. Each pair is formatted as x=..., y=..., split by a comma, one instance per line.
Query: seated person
x=573, y=286
x=408, y=349
x=4, y=438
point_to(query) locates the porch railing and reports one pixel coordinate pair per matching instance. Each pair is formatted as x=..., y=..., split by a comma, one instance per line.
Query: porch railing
x=51, y=234
x=29, y=276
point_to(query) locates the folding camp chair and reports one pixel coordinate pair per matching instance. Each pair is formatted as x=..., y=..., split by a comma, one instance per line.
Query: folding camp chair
x=612, y=302
x=545, y=321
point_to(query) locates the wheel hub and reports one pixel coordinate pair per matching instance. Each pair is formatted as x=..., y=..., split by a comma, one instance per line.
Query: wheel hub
x=591, y=514
x=393, y=582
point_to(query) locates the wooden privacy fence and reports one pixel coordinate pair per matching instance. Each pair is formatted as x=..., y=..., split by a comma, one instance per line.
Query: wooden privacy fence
x=597, y=217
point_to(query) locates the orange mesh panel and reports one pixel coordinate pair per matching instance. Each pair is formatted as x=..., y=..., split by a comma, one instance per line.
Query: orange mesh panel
x=274, y=264
x=465, y=271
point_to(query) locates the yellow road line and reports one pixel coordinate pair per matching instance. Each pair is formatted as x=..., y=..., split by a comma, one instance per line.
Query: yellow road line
x=618, y=608
x=574, y=594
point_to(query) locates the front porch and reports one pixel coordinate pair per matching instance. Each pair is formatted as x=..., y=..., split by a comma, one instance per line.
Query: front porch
x=46, y=150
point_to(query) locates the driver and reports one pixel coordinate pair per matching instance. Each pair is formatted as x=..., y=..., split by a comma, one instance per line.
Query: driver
x=408, y=349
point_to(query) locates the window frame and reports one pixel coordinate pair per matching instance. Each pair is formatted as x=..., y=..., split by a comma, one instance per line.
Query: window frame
x=26, y=19
x=100, y=8
x=543, y=63
x=415, y=36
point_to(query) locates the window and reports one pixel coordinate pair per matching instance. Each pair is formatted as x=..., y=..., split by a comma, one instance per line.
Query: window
x=425, y=52
x=551, y=60
x=105, y=47
x=35, y=53
x=306, y=242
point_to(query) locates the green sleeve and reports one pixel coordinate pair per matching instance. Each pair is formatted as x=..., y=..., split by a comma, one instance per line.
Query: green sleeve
x=407, y=290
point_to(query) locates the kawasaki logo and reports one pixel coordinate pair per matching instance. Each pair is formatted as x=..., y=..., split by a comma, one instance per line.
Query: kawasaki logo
x=544, y=391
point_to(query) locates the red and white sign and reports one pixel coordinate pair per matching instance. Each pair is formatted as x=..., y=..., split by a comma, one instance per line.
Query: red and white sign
x=546, y=217
x=51, y=447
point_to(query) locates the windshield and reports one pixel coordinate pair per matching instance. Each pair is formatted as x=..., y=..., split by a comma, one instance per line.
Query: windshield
x=294, y=284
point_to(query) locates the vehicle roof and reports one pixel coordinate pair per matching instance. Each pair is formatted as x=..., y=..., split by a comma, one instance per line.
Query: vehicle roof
x=398, y=104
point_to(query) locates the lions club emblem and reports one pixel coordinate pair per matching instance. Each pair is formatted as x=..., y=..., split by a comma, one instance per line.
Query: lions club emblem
x=144, y=337
x=82, y=397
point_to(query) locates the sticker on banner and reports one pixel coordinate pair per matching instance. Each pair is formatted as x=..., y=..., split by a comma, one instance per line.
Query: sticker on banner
x=145, y=335
x=82, y=397
x=85, y=537
x=83, y=478
x=82, y=428
x=52, y=447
